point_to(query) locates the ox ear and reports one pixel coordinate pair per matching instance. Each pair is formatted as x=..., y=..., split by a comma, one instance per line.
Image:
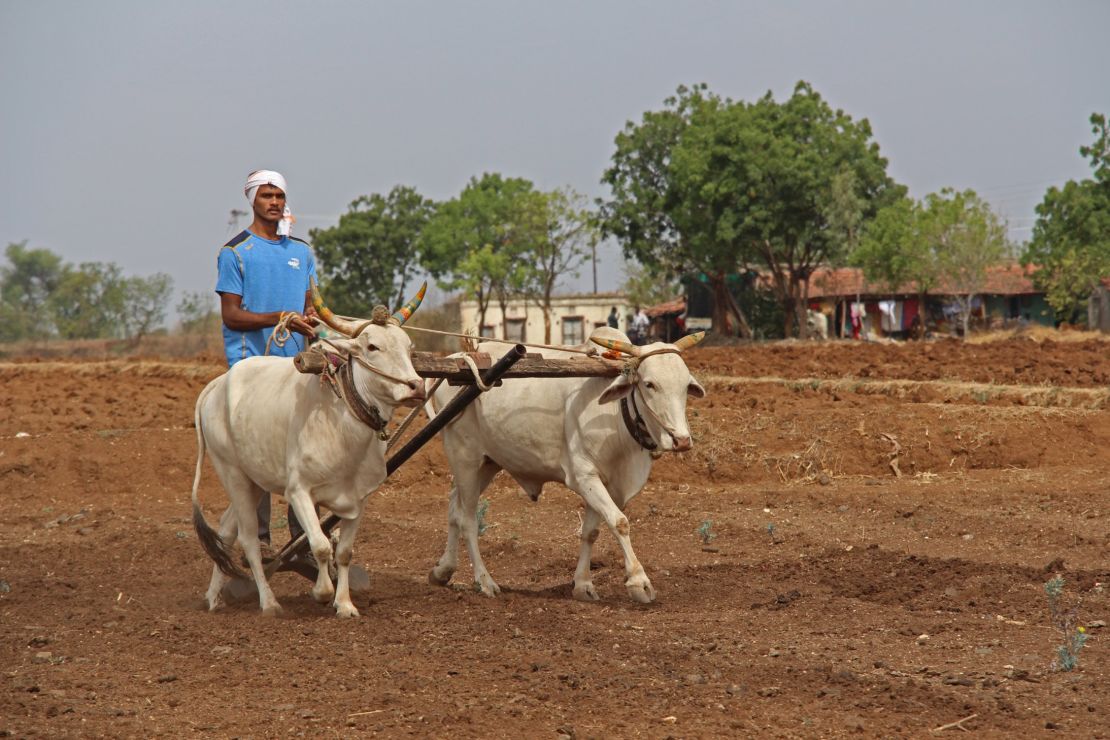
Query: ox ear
x=619, y=388
x=695, y=389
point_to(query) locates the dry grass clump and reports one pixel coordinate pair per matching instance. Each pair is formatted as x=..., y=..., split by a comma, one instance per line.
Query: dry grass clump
x=1044, y=396
x=1037, y=333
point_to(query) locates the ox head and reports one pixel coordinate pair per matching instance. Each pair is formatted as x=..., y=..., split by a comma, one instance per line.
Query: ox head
x=381, y=346
x=660, y=382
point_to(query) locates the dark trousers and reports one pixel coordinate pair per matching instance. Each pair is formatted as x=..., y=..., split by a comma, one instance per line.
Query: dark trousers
x=295, y=528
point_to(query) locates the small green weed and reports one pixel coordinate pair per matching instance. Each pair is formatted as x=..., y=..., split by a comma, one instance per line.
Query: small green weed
x=1065, y=618
x=483, y=507
x=705, y=531
x=775, y=539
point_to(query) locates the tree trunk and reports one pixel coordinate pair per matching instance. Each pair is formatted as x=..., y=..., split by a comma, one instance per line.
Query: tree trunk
x=546, y=321
x=725, y=309
x=798, y=287
x=967, y=315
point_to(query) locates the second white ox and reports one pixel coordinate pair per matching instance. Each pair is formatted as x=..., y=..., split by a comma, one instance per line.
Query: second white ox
x=269, y=428
x=570, y=431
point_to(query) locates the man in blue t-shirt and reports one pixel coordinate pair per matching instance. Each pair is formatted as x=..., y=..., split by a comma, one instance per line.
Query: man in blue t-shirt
x=263, y=274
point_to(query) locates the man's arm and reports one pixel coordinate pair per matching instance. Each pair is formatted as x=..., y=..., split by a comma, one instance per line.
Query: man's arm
x=237, y=318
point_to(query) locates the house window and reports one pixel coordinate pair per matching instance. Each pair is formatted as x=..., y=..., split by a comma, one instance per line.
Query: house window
x=488, y=331
x=514, y=330
x=573, y=330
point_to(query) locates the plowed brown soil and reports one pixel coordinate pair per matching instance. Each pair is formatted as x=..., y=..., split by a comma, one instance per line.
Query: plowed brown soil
x=884, y=518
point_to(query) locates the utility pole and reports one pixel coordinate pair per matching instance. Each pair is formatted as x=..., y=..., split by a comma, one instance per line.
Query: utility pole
x=233, y=219
x=593, y=256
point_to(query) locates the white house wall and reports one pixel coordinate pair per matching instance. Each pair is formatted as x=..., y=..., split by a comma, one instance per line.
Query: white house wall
x=591, y=309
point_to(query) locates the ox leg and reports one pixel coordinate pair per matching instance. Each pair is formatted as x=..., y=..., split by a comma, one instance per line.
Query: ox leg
x=324, y=591
x=344, y=607
x=448, y=563
x=597, y=497
x=583, y=582
x=463, y=519
x=227, y=530
x=245, y=502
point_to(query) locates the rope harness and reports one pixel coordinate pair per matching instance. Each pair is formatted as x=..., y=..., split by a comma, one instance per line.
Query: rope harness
x=281, y=333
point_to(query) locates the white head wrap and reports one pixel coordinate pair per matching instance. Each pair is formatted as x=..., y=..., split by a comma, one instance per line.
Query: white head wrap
x=257, y=179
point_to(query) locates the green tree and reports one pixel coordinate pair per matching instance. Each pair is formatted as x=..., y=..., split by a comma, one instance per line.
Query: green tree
x=475, y=241
x=143, y=305
x=950, y=238
x=719, y=186
x=1071, y=237
x=971, y=238
x=896, y=250
x=26, y=283
x=657, y=221
x=88, y=301
x=646, y=288
x=570, y=235
x=198, y=312
x=370, y=255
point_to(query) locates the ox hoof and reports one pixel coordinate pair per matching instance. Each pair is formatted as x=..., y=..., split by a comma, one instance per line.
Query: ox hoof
x=487, y=586
x=346, y=612
x=585, y=592
x=438, y=577
x=641, y=593
x=323, y=597
x=214, y=604
x=274, y=610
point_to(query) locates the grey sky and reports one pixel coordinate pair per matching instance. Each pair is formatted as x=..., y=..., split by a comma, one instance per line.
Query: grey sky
x=127, y=128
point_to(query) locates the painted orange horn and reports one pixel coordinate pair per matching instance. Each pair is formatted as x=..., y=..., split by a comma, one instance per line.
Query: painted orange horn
x=689, y=341
x=616, y=344
x=343, y=326
x=403, y=313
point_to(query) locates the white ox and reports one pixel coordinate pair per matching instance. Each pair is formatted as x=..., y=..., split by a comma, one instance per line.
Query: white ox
x=818, y=324
x=269, y=428
x=569, y=431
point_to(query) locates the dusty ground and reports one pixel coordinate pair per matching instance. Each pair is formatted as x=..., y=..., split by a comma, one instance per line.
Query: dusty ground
x=884, y=521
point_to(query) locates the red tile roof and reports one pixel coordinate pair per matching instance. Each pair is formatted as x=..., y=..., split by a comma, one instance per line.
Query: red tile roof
x=1009, y=279
x=677, y=306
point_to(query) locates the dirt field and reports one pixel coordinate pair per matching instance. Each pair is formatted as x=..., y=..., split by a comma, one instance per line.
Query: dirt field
x=884, y=519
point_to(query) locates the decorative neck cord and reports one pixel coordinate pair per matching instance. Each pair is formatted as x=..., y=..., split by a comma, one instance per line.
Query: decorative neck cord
x=636, y=427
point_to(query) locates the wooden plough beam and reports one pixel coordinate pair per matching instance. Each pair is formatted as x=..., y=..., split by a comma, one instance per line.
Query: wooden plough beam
x=457, y=372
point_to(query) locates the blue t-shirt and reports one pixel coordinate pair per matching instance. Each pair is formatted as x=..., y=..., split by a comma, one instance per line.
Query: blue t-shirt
x=270, y=276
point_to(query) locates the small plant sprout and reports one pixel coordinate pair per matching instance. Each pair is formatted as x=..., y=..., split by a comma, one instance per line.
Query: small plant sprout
x=483, y=507
x=1066, y=619
x=775, y=539
x=705, y=531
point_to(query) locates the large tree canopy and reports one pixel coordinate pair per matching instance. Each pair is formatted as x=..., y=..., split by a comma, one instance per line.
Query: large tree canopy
x=714, y=185
x=369, y=257
x=476, y=241
x=1071, y=237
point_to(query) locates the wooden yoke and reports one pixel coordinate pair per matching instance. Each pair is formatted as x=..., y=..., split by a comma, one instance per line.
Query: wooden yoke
x=458, y=372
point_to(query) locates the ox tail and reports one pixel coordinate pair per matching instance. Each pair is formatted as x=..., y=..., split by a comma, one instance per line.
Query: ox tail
x=210, y=540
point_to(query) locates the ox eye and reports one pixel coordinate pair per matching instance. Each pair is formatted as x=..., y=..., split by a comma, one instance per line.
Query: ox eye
x=649, y=385
x=371, y=347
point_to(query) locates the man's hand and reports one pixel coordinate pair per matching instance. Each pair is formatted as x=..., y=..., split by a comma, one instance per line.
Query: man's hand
x=303, y=324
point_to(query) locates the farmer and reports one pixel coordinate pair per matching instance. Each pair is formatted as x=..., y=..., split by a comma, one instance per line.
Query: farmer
x=263, y=281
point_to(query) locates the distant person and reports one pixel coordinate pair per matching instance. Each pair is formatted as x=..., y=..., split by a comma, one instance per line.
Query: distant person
x=614, y=318
x=640, y=325
x=264, y=273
